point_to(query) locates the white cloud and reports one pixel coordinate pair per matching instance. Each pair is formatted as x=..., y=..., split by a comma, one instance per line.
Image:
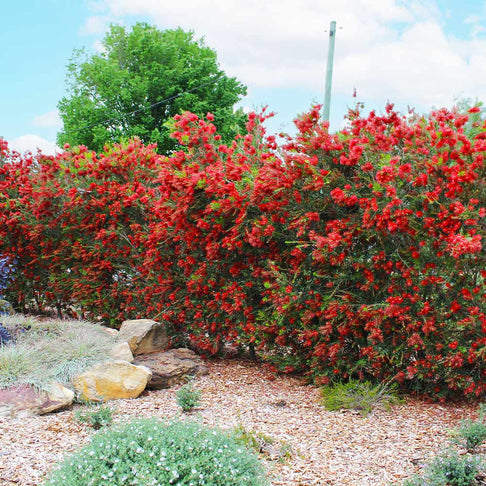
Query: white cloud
x=472, y=19
x=253, y=39
x=395, y=49
x=95, y=5
x=98, y=47
x=476, y=24
x=94, y=25
x=422, y=65
x=51, y=119
x=98, y=25
x=32, y=143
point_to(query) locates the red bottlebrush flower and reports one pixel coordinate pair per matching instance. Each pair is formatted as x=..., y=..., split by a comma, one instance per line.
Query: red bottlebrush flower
x=411, y=372
x=455, y=306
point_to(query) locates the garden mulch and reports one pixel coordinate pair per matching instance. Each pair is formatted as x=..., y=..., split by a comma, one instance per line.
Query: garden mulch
x=327, y=448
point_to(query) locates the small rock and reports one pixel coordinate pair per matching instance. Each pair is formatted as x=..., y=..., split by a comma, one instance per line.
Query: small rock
x=122, y=352
x=144, y=336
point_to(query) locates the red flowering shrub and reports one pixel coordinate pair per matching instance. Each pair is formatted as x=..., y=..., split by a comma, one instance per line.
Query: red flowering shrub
x=357, y=254
x=383, y=275
x=75, y=224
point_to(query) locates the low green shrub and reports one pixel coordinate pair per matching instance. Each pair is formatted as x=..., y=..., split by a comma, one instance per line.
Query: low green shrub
x=98, y=416
x=471, y=433
x=449, y=469
x=362, y=396
x=188, y=397
x=151, y=452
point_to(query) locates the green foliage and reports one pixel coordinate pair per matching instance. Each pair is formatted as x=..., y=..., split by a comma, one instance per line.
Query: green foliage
x=358, y=395
x=139, y=69
x=471, y=433
x=252, y=440
x=261, y=443
x=150, y=452
x=99, y=416
x=448, y=469
x=188, y=397
x=52, y=350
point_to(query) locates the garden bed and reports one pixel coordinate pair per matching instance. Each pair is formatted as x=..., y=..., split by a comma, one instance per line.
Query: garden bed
x=327, y=448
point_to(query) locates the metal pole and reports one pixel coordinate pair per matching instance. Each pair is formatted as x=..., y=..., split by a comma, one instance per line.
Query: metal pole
x=330, y=60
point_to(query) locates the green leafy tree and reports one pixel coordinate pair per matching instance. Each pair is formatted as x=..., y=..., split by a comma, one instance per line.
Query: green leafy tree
x=142, y=79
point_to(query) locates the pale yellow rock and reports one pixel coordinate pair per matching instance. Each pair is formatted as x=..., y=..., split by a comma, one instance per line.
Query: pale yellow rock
x=122, y=352
x=112, y=380
x=144, y=336
x=58, y=397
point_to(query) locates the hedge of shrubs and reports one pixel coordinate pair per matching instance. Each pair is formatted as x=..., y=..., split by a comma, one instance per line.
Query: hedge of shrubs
x=357, y=254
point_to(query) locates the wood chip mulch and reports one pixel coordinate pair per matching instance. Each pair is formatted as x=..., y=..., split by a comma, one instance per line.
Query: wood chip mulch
x=327, y=448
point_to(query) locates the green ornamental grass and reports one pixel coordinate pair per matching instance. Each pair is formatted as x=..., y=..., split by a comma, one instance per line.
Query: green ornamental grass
x=52, y=350
x=153, y=453
x=362, y=396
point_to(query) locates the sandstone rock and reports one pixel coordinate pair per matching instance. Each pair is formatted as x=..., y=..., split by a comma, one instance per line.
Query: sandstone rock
x=122, y=352
x=171, y=367
x=110, y=331
x=144, y=336
x=26, y=400
x=112, y=380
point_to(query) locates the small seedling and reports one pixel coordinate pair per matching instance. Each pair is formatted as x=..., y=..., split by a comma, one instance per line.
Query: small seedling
x=188, y=397
x=262, y=443
x=99, y=416
x=250, y=439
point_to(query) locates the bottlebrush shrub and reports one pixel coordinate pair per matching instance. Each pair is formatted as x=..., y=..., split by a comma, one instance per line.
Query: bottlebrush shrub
x=350, y=255
x=74, y=223
x=387, y=252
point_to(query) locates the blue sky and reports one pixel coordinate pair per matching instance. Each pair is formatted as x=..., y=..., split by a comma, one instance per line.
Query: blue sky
x=412, y=52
